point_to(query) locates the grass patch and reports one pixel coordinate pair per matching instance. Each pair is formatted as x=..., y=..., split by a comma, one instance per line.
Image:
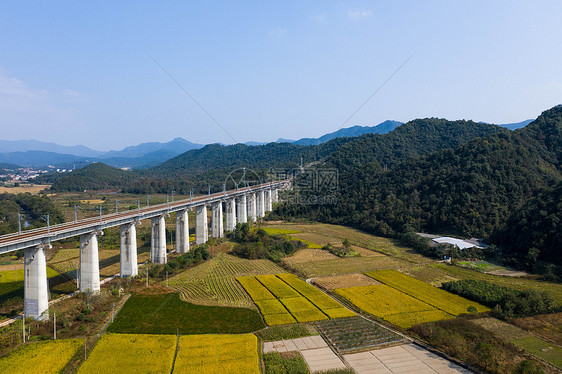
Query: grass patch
x=165, y=314
x=289, y=362
x=11, y=283
x=277, y=231
x=275, y=333
x=339, y=266
x=540, y=348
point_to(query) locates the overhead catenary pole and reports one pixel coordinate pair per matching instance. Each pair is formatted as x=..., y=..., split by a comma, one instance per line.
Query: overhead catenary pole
x=116, y=206
x=75, y=214
x=147, y=201
x=138, y=206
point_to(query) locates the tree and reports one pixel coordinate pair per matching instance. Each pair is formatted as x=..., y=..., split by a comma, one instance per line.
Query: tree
x=346, y=244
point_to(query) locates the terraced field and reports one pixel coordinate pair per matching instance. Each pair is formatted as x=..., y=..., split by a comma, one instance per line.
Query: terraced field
x=214, y=282
x=285, y=299
x=433, y=296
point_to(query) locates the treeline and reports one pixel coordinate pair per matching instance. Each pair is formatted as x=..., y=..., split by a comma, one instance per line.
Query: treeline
x=504, y=301
x=33, y=210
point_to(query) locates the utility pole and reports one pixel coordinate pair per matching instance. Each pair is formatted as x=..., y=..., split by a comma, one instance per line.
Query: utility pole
x=172, y=196
x=116, y=206
x=112, y=312
x=166, y=278
x=147, y=201
x=100, y=215
x=138, y=206
x=167, y=202
x=190, y=195
x=23, y=320
x=147, y=276
x=19, y=223
x=209, y=190
x=55, y=324
x=75, y=214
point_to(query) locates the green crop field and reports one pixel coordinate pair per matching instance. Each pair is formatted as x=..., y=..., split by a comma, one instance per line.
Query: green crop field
x=214, y=281
x=431, y=295
x=165, y=314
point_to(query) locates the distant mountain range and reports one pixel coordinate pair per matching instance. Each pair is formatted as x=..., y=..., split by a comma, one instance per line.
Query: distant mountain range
x=381, y=128
x=145, y=155
x=38, y=154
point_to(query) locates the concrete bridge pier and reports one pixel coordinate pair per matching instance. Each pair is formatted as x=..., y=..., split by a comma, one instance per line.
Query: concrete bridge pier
x=230, y=214
x=241, y=210
x=268, y=203
x=128, y=261
x=251, y=200
x=261, y=203
x=89, y=277
x=201, y=224
x=36, y=294
x=274, y=195
x=182, y=232
x=217, y=229
x=158, y=240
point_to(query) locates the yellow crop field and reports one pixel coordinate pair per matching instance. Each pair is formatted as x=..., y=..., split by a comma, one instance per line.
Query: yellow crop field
x=392, y=305
x=40, y=358
x=279, y=319
x=272, y=306
x=431, y=295
x=218, y=354
x=277, y=287
x=131, y=353
x=338, y=312
x=296, y=301
x=317, y=297
x=256, y=290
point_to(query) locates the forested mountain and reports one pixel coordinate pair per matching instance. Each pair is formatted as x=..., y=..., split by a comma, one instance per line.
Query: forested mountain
x=412, y=139
x=536, y=226
x=211, y=164
x=469, y=191
x=96, y=176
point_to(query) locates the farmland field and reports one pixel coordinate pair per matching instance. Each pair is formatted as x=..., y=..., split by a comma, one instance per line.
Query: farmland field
x=40, y=358
x=217, y=354
x=214, y=281
x=126, y=353
x=344, y=281
x=347, y=265
x=434, y=296
x=166, y=313
x=284, y=299
x=392, y=305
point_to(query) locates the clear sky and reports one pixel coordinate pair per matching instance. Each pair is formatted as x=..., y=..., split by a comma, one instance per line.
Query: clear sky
x=81, y=72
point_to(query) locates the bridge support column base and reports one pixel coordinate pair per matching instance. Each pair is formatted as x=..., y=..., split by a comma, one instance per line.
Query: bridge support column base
x=201, y=225
x=182, y=232
x=36, y=299
x=158, y=241
x=128, y=264
x=89, y=277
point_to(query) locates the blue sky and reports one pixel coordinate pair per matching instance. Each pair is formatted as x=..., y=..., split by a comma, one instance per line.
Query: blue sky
x=76, y=72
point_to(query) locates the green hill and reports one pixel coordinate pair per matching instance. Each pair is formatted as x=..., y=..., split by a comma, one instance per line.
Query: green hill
x=470, y=190
x=97, y=176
